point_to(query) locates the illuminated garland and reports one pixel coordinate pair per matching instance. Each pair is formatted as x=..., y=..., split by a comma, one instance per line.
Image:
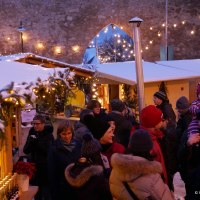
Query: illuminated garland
x=52, y=95
x=12, y=97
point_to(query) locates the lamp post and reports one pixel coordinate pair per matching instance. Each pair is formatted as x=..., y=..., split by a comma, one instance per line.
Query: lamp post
x=138, y=61
x=21, y=29
x=166, y=30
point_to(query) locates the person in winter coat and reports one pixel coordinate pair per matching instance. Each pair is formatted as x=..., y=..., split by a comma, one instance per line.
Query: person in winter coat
x=185, y=116
x=184, y=119
x=195, y=105
x=161, y=101
x=169, y=135
x=86, y=176
x=39, y=139
x=104, y=133
x=123, y=125
x=189, y=153
x=138, y=172
x=63, y=152
x=152, y=120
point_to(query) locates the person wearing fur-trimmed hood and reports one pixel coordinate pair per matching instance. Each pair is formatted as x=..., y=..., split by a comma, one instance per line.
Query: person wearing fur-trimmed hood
x=142, y=175
x=86, y=176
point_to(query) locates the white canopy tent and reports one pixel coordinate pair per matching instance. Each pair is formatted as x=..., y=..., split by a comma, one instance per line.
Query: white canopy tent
x=20, y=72
x=119, y=72
x=125, y=72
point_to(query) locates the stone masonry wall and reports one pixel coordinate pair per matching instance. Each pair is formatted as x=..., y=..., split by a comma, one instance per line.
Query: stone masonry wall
x=67, y=23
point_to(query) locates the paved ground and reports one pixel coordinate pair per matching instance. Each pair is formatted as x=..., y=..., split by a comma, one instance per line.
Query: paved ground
x=179, y=187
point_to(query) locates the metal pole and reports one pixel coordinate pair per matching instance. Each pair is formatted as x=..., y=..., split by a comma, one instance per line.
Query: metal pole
x=21, y=29
x=22, y=42
x=138, y=62
x=166, y=30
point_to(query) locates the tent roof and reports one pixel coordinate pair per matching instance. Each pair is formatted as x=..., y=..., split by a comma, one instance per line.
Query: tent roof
x=125, y=72
x=34, y=59
x=21, y=72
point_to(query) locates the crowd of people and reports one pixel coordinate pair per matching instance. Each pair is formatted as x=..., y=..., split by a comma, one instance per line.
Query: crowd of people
x=111, y=155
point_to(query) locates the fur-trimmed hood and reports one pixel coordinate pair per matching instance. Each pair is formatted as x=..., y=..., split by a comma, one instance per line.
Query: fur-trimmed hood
x=84, y=176
x=129, y=167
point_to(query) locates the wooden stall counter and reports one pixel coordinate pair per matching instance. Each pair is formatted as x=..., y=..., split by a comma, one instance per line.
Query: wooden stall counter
x=28, y=195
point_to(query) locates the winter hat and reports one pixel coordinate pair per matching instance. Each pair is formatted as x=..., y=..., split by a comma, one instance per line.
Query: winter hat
x=198, y=88
x=150, y=116
x=117, y=105
x=99, y=130
x=140, y=141
x=161, y=95
x=90, y=146
x=182, y=103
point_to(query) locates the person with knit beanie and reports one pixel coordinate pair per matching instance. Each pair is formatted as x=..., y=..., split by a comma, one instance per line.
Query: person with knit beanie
x=152, y=121
x=169, y=142
x=184, y=116
x=86, y=176
x=161, y=102
x=137, y=170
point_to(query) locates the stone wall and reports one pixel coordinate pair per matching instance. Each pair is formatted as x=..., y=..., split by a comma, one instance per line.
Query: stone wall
x=75, y=22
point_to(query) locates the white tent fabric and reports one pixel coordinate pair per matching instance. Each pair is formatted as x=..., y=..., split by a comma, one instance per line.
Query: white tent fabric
x=21, y=72
x=125, y=72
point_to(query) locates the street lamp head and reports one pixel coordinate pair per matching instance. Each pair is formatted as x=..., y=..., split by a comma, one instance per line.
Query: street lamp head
x=21, y=29
x=136, y=20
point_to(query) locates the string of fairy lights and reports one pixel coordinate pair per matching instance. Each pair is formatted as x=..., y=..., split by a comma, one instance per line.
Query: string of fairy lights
x=128, y=47
x=125, y=45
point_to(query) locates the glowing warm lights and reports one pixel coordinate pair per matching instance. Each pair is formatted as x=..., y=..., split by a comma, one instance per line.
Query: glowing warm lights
x=175, y=25
x=159, y=34
x=192, y=32
x=76, y=48
x=40, y=45
x=58, y=50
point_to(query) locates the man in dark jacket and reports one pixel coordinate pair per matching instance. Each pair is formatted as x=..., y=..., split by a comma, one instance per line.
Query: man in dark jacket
x=185, y=116
x=168, y=143
x=122, y=125
x=37, y=144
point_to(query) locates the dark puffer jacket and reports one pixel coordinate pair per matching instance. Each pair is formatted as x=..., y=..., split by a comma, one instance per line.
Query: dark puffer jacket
x=88, y=182
x=59, y=158
x=37, y=145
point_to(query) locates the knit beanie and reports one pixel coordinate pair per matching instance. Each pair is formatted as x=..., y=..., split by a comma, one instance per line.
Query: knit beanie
x=90, y=146
x=99, y=129
x=161, y=95
x=150, y=116
x=117, y=105
x=198, y=88
x=182, y=103
x=140, y=141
